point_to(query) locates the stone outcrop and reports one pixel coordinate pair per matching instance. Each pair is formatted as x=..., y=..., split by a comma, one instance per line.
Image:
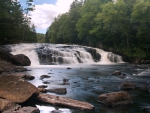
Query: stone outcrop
x=115, y=98
x=19, y=59
x=57, y=100
x=127, y=86
x=16, y=89
x=8, y=106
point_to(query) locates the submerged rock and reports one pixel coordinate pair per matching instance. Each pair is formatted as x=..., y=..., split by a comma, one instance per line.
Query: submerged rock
x=57, y=100
x=127, y=85
x=115, y=98
x=16, y=89
x=42, y=86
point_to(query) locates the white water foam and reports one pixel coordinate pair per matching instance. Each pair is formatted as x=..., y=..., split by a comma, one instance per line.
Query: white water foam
x=28, y=50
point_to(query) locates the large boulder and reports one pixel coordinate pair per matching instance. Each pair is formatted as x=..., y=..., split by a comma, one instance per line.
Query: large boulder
x=115, y=98
x=16, y=89
x=57, y=100
x=19, y=59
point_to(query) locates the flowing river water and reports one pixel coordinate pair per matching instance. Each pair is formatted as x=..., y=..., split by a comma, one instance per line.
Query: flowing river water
x=89, y=75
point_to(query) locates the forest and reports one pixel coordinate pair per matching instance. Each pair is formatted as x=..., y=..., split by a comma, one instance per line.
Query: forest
x=121, y=26
x=15, y=24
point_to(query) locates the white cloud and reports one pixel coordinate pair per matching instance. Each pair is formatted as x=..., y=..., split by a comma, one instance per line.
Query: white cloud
x=44, y=14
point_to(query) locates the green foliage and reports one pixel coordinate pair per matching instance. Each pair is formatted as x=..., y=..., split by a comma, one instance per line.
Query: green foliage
x=123, y=25
x=13, y=22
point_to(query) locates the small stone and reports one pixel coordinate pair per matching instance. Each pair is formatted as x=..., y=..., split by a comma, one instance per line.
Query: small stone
x=44, y=76
x=116, y=73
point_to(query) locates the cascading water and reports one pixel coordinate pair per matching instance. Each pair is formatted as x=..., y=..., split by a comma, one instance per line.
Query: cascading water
x=47, y=54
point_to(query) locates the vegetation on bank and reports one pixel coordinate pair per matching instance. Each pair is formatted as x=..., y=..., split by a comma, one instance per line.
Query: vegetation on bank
x=122, y=25
x=15, y=25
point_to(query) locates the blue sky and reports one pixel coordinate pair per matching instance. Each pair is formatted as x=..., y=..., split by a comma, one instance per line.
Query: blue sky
x=45, y=12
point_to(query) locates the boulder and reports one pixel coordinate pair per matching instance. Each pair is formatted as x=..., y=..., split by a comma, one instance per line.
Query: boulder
x=7, y=106
x=28, y=109
x=115, y=98
x=58, y=90
x=127, y=85
x=29, y=77
x=19, y=59
x=16, y=89
x=57, y=100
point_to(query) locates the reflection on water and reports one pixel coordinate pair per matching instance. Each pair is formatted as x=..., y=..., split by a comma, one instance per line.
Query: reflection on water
x=88, y=81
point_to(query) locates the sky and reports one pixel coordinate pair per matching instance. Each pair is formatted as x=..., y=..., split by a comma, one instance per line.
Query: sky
x=45, y=12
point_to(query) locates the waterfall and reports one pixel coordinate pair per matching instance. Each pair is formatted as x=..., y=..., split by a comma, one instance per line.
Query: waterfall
x=48, y=54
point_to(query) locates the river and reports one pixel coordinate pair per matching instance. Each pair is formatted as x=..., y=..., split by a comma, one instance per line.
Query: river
x=88, y=76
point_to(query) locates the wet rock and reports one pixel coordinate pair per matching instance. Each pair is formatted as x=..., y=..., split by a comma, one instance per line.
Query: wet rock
x=44, y=76
x=46, y=82
x=122, y=75
x=16, y=89
x=115, y=98
x=145, y=87
x=8, y=106
x=65, y=82
x=58, y=90
x=57, y=100
x=1, y=70
x=43, y=90
x=68, y=68
x=57, y=111
x=116, y=73
x=29, y=77
x=42, y=86
x=127, y=86
x=28, y=110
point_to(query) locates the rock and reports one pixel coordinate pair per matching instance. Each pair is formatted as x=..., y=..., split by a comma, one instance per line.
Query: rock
x=47, y=82
x=115, y=98
x=7, y=106
x=29, y=77
x=65, y=82
x=44, y=76
x=16, y=89
x=58, y=90
x=1, y=70
x=116, y=73
x=42, y=86
x=19, y=59
x=42, y=90
x=68, y=68
x=57, y=111
x=127, y=86
x=145, y=87
x=57, y=100
x=28, y=109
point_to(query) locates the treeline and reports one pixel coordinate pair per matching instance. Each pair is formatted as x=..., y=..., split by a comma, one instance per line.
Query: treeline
x=15, y=26
x=120, y=25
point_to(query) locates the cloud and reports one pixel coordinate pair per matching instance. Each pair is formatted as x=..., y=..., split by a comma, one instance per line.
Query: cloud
x=44, y=14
